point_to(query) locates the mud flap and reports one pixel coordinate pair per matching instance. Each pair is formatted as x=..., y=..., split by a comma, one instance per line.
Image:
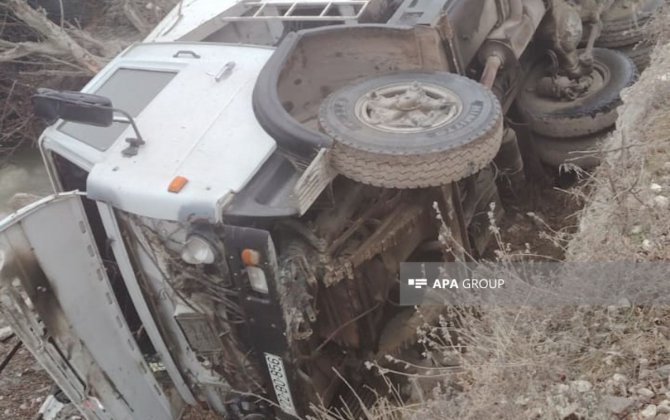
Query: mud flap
x=55, y=294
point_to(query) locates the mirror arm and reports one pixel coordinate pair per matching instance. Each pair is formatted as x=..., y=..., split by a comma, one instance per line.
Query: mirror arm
x=127, y=119
x=133, y=143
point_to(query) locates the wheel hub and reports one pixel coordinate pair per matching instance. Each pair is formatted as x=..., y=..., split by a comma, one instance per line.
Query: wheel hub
x=567, y=89
x=408, y=107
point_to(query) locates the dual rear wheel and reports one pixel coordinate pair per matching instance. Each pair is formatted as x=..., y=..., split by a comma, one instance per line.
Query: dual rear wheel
x=572, y=130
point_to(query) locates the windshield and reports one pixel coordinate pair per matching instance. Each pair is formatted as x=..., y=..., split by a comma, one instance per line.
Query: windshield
x=130, y=90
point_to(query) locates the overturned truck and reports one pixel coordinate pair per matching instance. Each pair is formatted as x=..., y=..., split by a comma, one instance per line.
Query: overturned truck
x=235, y=194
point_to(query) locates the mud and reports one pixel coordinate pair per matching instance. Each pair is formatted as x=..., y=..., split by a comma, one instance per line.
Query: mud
x=24, y=173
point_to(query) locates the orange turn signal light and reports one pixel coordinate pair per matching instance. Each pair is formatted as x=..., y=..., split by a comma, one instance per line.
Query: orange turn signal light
x=250, y=257
x=177, y=184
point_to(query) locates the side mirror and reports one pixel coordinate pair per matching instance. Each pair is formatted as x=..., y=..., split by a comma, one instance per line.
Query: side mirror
x=73, y=106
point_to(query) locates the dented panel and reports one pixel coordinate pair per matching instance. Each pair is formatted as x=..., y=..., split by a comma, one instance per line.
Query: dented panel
x=56, y=295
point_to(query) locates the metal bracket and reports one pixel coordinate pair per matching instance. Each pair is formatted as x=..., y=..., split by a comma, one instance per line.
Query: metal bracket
x=134, y=143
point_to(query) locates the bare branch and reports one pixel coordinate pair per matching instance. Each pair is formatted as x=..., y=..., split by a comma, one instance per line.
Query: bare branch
x=21, y=49
x=135, y=18
x=57, y=36
x=108, y=48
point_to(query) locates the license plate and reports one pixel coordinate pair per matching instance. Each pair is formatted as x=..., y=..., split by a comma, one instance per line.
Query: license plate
x=280, y=383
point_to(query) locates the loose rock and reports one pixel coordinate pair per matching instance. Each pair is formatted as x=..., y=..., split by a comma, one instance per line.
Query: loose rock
x=645, y=373
x=649, y=412
x=661, y=202
x=582, y=386
x=619, y=378
x=645, y=393
x=617, y=405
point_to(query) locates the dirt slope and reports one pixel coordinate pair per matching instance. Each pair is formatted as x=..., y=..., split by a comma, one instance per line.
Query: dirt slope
x=627, y=217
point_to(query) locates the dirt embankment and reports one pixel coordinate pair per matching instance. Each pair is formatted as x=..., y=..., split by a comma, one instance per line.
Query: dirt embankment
x=627, y=215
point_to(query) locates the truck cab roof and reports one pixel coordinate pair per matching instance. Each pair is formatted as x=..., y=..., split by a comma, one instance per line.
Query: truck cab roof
x=192, y=103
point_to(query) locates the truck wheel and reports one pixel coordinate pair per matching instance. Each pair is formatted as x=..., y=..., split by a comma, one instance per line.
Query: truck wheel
x=592, y=112
x=581, y=151
x=623, y=24
x=412, y=130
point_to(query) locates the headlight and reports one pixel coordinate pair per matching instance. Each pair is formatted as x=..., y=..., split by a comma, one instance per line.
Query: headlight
x=198, y=250
x=257, y=280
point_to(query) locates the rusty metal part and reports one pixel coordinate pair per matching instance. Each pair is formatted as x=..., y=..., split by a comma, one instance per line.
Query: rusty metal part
x=565, y=31
x=347, y=200
x=357, y=277
x=493, y=63
x=386, y=235
x=511, y=178
x=384, y=204
x=510, y=39
x=505, y=44
x=574, y=74
x=393, y=228
x=296, y=279
x=564, y=88
x=592, y=12
x=566, y=28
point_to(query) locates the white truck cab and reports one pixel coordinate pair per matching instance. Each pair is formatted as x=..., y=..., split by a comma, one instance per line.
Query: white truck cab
x=233, y=197
x=217, y=148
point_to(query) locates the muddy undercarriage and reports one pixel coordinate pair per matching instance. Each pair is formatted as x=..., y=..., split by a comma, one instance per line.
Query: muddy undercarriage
x=337, y=279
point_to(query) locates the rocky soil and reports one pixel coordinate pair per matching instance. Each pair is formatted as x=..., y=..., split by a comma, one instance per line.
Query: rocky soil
x=23, y=383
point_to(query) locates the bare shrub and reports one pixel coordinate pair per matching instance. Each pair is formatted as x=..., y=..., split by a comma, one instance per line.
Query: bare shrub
x=38, y=52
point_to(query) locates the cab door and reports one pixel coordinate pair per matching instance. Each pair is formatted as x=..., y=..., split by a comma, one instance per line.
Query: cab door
x=55, y=294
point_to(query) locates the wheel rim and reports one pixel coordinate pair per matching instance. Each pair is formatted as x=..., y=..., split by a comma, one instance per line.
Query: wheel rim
x=410, y=107
x=599, y=78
